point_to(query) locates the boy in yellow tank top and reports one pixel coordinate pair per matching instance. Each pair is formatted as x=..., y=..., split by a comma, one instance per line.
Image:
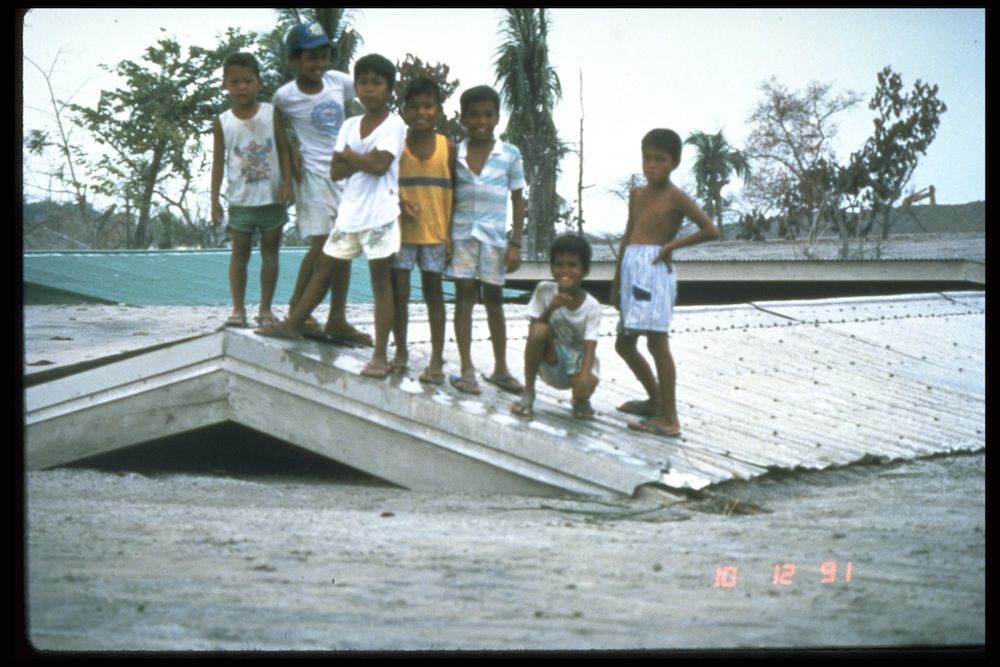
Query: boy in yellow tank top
x=426, y=171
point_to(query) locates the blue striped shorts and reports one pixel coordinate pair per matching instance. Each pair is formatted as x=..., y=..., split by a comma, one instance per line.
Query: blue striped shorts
x=648, y=291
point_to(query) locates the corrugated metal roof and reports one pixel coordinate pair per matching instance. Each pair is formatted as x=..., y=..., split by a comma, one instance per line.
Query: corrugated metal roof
x=765, y=386
x=809, y=384
x=963, y=245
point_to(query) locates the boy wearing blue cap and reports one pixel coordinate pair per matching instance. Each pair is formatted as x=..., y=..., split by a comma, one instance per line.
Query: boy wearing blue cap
x=314, y=102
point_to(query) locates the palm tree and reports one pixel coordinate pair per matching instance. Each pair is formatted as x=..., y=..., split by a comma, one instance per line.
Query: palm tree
x=716, y=161
x=339, y=28
x=530, y=88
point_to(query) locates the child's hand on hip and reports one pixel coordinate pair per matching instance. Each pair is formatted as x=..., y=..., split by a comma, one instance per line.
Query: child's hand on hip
x=664, y=256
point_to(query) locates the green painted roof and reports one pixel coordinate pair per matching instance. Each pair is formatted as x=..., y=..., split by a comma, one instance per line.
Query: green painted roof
x=170, y=277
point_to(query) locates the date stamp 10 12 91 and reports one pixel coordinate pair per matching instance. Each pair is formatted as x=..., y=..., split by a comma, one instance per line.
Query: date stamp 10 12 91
x=784, y=574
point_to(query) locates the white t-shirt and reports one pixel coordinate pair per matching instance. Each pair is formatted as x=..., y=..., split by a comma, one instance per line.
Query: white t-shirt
x=371, y=201
x=317, y=118
x=569, y=327
x=253, y=174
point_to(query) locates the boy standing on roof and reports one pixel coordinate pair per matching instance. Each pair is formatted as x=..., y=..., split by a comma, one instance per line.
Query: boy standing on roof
x=249, y=147
x=644, y=288
x=367, y=157
x=314, y=102
x=485, y=171
x=426, y=175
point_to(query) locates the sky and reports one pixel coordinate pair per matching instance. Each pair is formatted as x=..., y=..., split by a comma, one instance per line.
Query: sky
x=686, y=69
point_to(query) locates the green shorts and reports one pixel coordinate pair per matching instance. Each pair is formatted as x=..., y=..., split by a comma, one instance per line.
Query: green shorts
x=248, y=219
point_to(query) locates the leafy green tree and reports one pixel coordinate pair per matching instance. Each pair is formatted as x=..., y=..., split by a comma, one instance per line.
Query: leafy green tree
x=530, y=88
x=715, y=162
x=152, y=125
x=905, y=126
x=863, y=193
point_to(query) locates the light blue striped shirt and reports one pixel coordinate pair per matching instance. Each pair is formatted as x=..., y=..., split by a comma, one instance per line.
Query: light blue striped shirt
x=481, y=201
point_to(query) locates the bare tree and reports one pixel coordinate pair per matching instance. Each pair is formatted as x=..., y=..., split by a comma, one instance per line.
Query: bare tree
x=789, y=149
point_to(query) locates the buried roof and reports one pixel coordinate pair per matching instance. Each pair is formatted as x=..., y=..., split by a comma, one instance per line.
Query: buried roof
x=763, y=386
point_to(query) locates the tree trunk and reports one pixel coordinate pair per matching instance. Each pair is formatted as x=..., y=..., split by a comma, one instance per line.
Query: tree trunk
x=146, y=203
x=541, y=205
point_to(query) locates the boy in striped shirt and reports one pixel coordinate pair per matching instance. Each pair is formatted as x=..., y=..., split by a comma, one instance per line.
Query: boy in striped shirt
x=486, y=171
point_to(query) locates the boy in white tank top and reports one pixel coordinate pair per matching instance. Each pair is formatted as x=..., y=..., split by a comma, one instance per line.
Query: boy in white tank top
x=251, y=150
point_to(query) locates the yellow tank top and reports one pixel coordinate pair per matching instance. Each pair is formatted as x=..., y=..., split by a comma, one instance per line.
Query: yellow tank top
x=428, y=185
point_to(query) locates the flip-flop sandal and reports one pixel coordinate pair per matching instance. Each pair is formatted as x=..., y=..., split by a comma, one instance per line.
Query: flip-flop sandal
x=507, y=383
x=276, y=331
x=431, y=378
x=312, y=325
x=323, y=337
x=465, y=386
x=583, y=410
x=645, y=426
x=638, y=408
x=236, y=322
x=377, y=373
x=522, y=410
x=264, y=320
x=395, y=367
x=353, y=336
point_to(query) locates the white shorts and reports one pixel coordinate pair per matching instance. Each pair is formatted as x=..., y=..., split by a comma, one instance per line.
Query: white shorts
x=377, y=243
x=317, y=199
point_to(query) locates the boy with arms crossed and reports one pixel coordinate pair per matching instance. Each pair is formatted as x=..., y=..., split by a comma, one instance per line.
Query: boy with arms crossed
x=486, y=170
x=562, y=337
x=314, y=102
x=426, y=174
x=251, y=150
x=644, y=288
x=367, y=156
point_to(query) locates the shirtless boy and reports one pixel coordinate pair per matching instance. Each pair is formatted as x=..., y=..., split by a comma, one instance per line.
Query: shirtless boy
x=645, y=283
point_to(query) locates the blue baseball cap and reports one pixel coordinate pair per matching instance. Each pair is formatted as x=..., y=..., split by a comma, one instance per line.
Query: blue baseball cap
x=306, y=36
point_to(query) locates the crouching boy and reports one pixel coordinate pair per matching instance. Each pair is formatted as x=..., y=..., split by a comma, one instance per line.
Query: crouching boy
x=562, y=338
